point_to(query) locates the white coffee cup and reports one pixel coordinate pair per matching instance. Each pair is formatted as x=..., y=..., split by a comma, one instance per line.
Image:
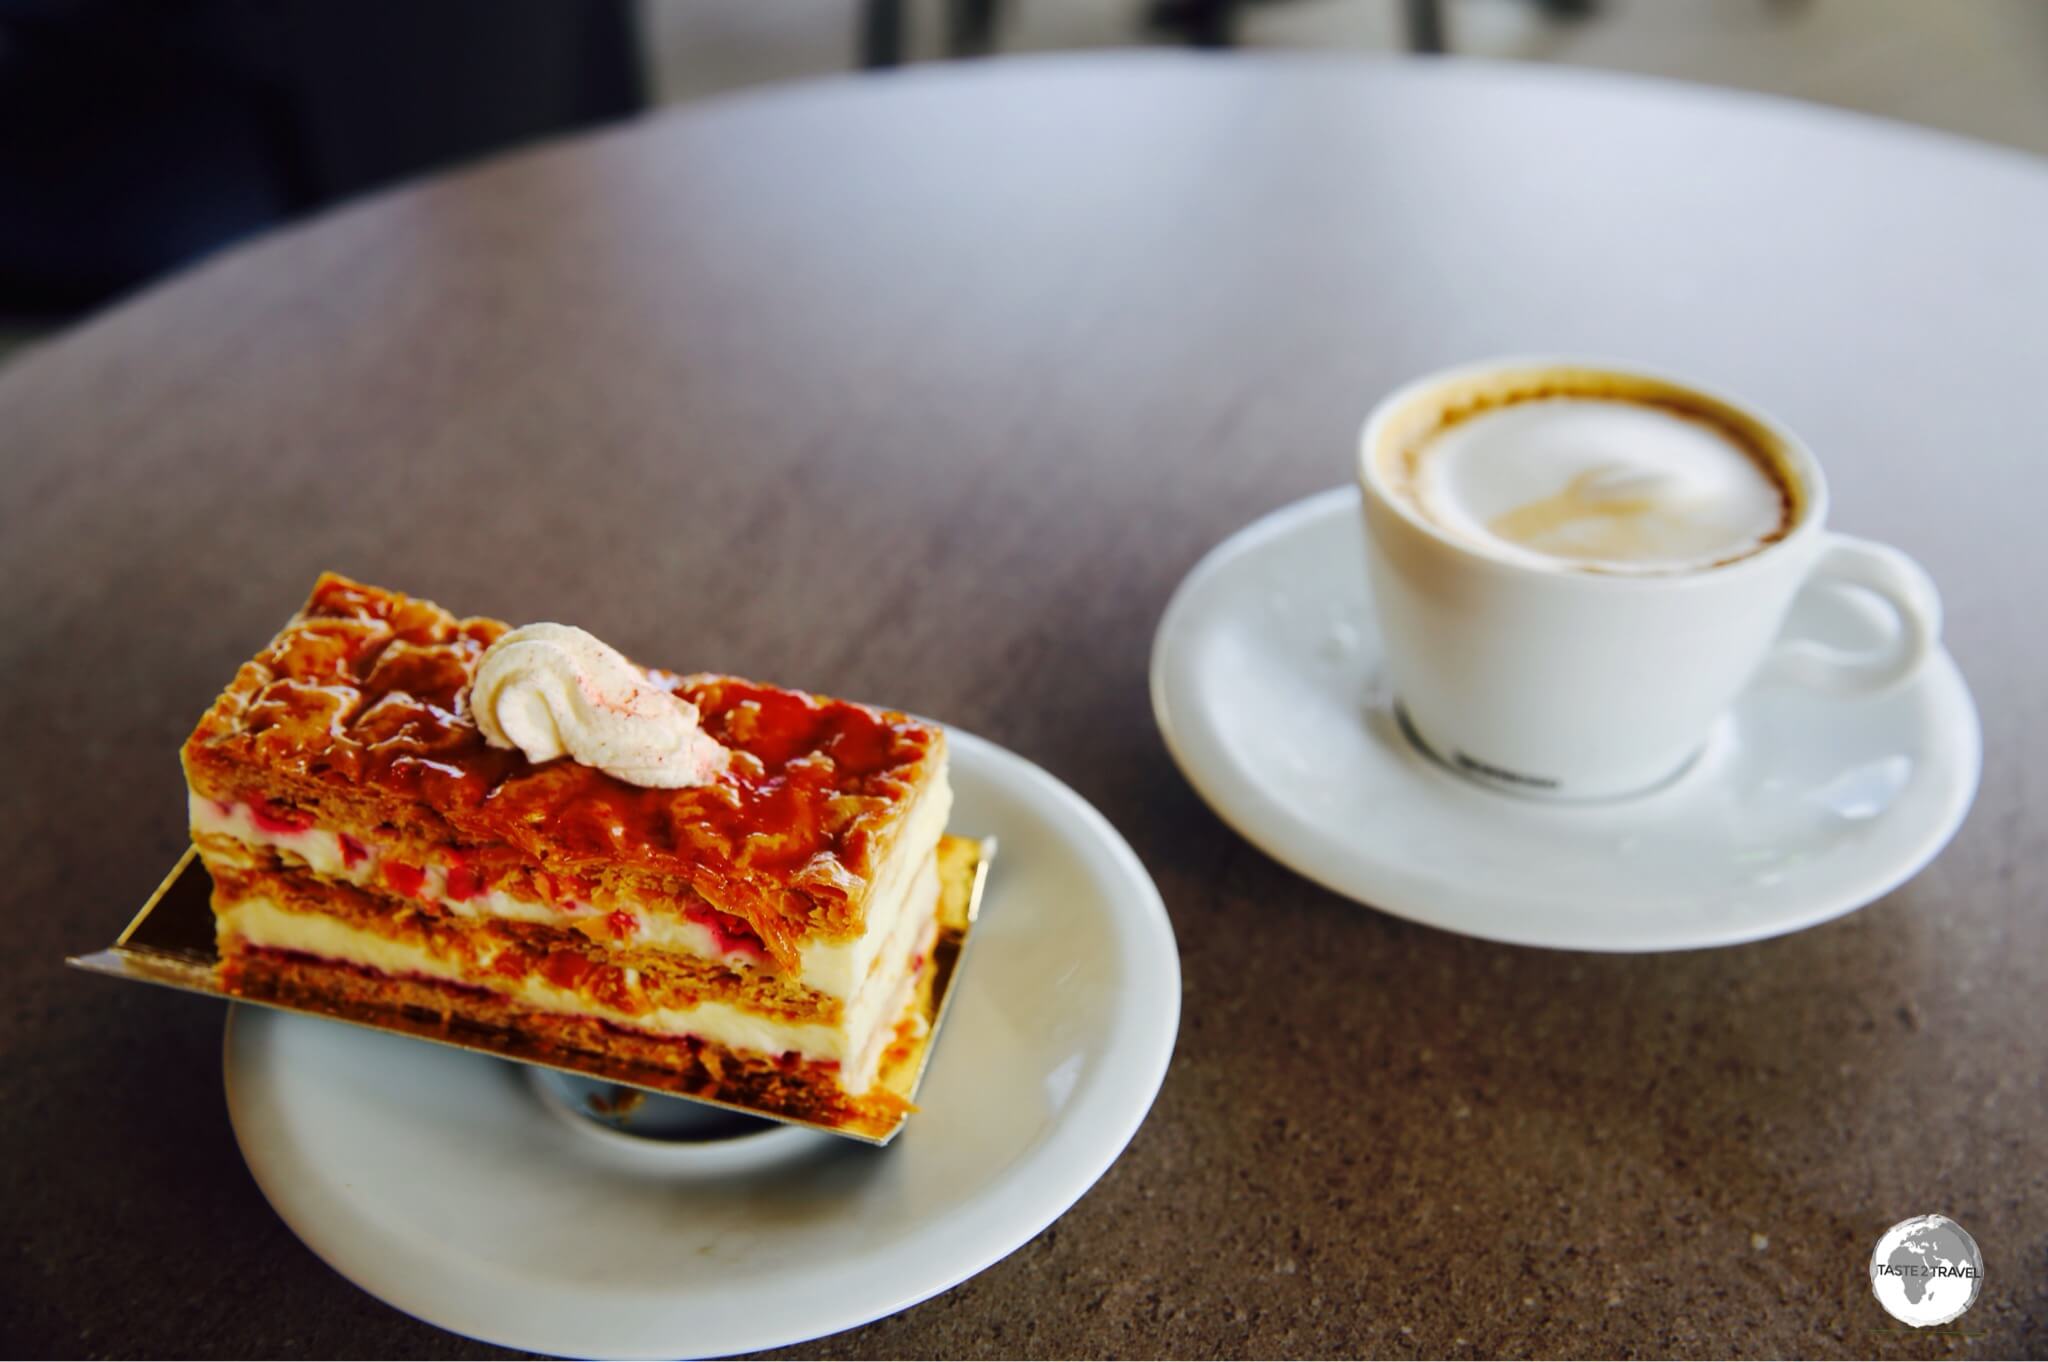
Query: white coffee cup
x=1559, y=680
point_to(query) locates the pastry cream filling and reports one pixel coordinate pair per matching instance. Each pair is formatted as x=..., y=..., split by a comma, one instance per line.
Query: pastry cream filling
x=836, y=968
x=856, y=1046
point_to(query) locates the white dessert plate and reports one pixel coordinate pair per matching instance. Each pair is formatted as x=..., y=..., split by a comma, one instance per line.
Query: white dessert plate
x=1268, y=686
x=461, y=1190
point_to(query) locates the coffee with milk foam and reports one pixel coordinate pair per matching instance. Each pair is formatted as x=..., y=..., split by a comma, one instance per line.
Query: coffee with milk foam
x=1596, y=483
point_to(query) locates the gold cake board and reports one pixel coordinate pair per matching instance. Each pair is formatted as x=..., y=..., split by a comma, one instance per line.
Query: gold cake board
x=171, y=943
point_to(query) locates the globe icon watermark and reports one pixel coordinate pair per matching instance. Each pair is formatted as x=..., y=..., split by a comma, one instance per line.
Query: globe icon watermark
x=1926, y=1271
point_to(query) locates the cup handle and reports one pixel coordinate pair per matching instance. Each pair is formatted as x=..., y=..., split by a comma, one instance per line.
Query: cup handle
x=1902, y=584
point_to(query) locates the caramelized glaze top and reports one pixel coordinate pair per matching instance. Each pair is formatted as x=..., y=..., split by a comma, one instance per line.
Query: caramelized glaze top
x=369, y=688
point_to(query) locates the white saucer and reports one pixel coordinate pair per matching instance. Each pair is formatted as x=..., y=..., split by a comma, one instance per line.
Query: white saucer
x=453, y=1187
x=1266, y=682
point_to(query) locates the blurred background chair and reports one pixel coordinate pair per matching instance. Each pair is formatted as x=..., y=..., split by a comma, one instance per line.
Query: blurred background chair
x=971, y=25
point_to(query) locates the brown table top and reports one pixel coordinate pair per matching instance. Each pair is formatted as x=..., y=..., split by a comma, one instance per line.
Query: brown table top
x=929, y=388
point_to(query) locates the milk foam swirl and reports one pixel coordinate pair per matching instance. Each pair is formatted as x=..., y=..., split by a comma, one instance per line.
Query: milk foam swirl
x=1607, y=484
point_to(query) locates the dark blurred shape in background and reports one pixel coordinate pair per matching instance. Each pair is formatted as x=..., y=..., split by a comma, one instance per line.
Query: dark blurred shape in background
x=136, y=135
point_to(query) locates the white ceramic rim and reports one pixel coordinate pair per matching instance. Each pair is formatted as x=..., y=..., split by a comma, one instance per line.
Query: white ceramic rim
x=1091, y=1131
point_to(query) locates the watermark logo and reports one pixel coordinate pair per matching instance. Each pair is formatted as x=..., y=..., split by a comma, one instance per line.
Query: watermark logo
x=1926, y=1271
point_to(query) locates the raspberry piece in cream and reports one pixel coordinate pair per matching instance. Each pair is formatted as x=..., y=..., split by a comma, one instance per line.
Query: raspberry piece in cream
x=274, y=818
x=405, y=880
x=730, y=933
